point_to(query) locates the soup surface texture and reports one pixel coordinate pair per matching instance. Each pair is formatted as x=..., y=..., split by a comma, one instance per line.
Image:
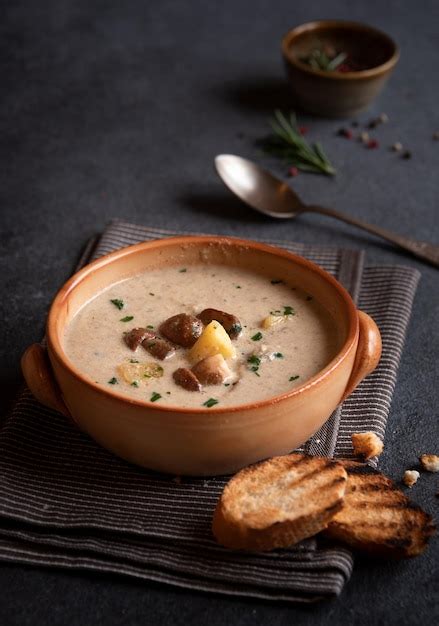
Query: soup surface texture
x=287, y=336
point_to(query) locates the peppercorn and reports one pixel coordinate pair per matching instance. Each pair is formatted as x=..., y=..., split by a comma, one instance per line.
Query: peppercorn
x=372, y=144
x=345, y=132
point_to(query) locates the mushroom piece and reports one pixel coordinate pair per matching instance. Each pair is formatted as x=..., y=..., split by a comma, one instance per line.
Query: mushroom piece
x=182, y=329
x=158, y=348
x=136, y=336
x=213, y=370
x=229, y=322
x=186, y=379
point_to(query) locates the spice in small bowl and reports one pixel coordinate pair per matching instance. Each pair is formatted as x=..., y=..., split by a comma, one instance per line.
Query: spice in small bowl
x=337, y=68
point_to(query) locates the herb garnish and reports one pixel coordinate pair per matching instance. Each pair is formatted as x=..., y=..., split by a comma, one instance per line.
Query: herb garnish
x=151, y=294
x=235, y=329
x=257, y=337
x=278, y=355
x=293, y=378
x=287, y=143
x=113, y=381
x=238, y=286
x=288, y=310
x=211, y=402
x=255, y=362
x=183, y=269
x=134, y=361
x=117, y=303
x=150, y=326
x=127, y=318
x=226, y=384
x=325, y=60
x=155, y=396
x=134, y=383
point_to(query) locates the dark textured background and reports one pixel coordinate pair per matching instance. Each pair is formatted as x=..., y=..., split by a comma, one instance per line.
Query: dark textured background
x=116, y=109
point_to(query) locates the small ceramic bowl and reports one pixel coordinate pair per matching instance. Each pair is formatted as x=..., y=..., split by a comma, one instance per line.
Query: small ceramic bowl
x=338, y=94
x=200, y=441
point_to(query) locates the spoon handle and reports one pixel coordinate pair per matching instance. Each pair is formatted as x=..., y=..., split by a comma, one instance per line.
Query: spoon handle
x=421, y=249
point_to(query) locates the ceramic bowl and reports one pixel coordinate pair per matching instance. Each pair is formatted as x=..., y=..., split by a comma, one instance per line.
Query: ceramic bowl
x=200, y=441
x=337, y=94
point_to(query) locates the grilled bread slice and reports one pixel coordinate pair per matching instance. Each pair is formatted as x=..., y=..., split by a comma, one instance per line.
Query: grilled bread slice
x=377, y=517
x=279, y=502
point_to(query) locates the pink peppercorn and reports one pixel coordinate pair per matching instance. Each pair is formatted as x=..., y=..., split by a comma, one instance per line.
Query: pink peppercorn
x=372, y=144
x=293, y=171
x=303, y=130
x=345, y=132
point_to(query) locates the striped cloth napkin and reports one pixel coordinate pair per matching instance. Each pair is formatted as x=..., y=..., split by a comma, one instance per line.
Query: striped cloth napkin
x=66, y=502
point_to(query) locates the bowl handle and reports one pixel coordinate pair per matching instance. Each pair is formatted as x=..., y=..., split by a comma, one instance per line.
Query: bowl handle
x=39, y=377
x=368, y=352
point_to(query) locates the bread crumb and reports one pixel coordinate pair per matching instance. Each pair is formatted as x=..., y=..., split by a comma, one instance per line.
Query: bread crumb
x=367, y=445
x=430, y=462
x=410, y=477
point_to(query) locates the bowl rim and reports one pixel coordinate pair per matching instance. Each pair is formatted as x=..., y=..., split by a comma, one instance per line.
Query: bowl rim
x=315, y=25
x=56, y=350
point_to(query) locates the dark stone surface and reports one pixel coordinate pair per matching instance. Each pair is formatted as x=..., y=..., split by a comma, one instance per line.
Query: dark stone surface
x=116, y=109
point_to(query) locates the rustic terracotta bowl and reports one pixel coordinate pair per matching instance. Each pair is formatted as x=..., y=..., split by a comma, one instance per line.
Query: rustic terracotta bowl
x=200, y=441
x=336, y=94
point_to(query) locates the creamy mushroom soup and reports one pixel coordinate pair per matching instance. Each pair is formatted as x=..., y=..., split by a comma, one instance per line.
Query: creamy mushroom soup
x=201, y=336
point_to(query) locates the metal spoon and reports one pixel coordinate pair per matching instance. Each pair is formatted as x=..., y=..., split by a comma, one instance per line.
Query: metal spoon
x=269, y=195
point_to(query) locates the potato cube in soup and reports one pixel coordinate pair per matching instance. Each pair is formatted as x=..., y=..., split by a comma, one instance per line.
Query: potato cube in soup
x=213, y=340
x=272, y=320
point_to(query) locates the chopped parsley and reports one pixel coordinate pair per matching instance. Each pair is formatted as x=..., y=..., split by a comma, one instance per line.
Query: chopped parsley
x=155, y=396
x=119, y=304
x=151, y=294
x=113, y=381
x=288, y=310
x=276, y=281
x=293, y=378
x=134, y=383
x=169, y=393
x=150, y=326
x=254, y=362
x=278, y=355
x=183, y=269
x=235, y=328
x=257, y=337
x=238, y=286
x=226, y=384
x=211, y=402
x=127, y=318
x=134, y=361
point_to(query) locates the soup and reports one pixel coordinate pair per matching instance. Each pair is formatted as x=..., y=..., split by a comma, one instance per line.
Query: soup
x=201, y=336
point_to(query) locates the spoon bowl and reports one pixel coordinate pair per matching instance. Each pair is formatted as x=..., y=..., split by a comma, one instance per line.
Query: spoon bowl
x=257, y=187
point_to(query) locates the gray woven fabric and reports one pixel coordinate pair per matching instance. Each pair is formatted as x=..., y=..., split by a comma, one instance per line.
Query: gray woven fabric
x=66, y=502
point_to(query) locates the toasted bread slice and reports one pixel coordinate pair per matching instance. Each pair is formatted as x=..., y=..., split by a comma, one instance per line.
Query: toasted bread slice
x=377, y=517
x=279, y=502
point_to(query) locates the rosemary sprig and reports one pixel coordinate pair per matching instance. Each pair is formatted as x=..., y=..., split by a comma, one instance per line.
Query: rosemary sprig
x=287, y=143
x=319, y=60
